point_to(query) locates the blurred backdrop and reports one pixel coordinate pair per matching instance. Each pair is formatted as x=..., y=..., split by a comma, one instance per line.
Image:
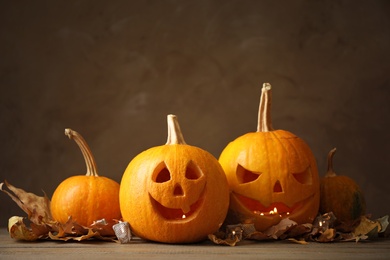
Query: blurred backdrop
x=113, y=70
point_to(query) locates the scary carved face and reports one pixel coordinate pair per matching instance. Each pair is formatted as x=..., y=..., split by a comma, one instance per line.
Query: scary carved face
x=272, y=175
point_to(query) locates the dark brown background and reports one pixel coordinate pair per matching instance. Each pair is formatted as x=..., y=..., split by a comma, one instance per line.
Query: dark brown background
x=113, y=70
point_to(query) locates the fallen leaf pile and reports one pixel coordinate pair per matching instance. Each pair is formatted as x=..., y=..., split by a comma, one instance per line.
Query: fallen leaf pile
x=324, y=229
x=39, y=224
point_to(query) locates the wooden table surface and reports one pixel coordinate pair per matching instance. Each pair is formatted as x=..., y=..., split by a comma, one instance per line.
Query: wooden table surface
x=12, y=249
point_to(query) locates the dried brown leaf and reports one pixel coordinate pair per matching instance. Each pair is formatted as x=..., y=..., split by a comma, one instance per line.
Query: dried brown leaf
x=223, y=241
x=327, y=236
x=104, y=228
x=258, y=236
x=366, y=226
x=18, y=230
x=36, y=207
x=41, y=224
x=300, y=241
x=40, y=230
x=299, y=230
x=279, y=229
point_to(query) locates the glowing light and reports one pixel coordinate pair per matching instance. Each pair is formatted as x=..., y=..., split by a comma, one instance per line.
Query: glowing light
x=184, y=216
x=275, y=211
x=272, y=212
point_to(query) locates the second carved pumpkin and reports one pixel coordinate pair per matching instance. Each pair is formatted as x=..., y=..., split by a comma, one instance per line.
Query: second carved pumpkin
x=272, y=174
x=174, y=193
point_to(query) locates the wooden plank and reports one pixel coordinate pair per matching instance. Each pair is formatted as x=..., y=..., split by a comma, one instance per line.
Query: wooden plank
x=11, y=249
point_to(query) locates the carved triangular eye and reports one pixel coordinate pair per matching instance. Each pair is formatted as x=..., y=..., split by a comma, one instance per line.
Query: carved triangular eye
x=304, y=177
x=161, y=173
x=193, y=172
x=245, y=176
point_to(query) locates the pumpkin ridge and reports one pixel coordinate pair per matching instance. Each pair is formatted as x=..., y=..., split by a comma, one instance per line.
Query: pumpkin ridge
x=285, y=151
x=268, y=161
x=91, y=205
x=356, y=208
x=279, y=138
x=283, y=145
x=292, y=144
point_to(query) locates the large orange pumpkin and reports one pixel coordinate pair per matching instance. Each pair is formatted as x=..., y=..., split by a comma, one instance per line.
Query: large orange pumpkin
x=174, y=193
x=272, y=174
x=86, y=198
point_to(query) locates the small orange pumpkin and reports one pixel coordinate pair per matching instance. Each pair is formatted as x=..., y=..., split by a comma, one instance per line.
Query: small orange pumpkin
x=341, y=195
x=85, y=198
x=272, y=174
x=174, y=193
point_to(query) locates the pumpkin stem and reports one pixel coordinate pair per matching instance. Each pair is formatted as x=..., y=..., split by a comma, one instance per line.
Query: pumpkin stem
x=330, y=172
x=88, y=157
x=174, y=133
x=264, y=123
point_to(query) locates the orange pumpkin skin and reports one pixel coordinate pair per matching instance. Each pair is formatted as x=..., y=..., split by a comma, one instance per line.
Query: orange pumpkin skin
x=174, y=193
x=273, y=175
x=341, y=195
x=271, y=169
x=86, y=199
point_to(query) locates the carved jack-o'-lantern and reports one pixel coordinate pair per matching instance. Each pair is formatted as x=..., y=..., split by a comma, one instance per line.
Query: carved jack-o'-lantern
x=174, y=193
x=272, y=174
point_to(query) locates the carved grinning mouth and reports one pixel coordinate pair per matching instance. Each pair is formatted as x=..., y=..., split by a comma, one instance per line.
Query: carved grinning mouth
x=259, y=209
x=176, y=214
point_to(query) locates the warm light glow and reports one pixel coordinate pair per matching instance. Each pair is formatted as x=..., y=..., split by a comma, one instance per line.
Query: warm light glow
x=272, y=212
x=183, y=217
x=320, y=223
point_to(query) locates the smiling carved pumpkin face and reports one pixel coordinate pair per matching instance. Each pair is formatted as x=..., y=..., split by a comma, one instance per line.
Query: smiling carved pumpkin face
x=272, y=174
x=174, y=193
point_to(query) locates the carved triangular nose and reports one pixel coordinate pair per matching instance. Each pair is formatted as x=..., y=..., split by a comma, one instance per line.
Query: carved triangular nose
x=178, y=191
x=278, y=187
